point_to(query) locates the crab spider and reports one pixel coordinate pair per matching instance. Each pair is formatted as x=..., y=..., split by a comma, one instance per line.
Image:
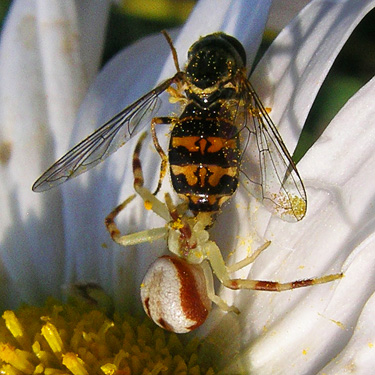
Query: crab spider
x=178, y=289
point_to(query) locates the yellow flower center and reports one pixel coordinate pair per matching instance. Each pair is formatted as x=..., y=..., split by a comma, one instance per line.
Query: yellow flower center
x=80, y=340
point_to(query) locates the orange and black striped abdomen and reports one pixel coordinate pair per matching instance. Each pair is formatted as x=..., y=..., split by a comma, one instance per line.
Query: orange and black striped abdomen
x=204, y=158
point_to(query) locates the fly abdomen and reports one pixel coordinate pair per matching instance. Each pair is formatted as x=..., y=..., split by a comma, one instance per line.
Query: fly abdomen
x=204, y=158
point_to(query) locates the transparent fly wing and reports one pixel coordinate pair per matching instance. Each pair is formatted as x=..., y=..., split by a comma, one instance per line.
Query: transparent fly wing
x=267, y=169
x=105, y=140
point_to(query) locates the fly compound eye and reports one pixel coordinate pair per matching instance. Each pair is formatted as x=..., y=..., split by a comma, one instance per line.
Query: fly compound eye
x=174, y=294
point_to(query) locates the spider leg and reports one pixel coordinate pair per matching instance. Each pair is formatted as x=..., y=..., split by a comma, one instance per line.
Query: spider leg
x=274, y=286
x=249, y=259
x=222, y=272
x=133, y=238
x=150, y=201
x=211, y=290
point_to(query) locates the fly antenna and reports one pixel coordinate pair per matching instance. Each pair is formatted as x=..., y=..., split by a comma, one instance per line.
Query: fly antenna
x=174, y=52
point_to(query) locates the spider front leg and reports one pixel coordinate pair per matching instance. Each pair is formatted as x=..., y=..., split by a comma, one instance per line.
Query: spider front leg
x=148, y=235
x=223, y=273
x=274, y=286
x=150, y=201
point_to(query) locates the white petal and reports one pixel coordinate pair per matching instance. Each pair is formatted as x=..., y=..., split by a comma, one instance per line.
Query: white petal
x=358, y=355
x=92, y=17
x=42, y=83
x=293, y=69
x=282, y=12
x=306, y=326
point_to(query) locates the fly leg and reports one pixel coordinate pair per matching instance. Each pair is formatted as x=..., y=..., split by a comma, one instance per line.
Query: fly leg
x=164, y=159
x=176, y=95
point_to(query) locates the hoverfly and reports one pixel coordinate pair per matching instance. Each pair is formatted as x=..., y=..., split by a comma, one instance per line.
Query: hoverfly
x=222, y=123
x=223, y=135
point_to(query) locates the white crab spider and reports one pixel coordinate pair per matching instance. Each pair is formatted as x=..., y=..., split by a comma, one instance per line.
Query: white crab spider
x=177, y=290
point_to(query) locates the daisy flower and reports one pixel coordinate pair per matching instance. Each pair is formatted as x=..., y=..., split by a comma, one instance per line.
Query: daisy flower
x=49, y=57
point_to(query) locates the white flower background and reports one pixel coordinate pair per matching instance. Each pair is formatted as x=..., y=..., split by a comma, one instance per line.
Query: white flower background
x=49, y=56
